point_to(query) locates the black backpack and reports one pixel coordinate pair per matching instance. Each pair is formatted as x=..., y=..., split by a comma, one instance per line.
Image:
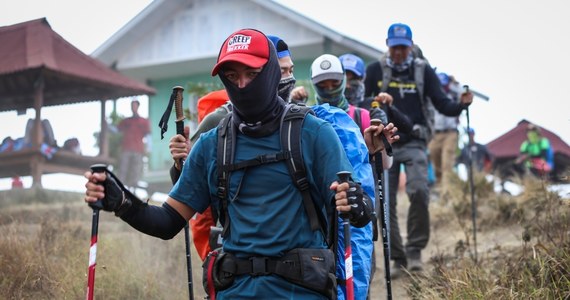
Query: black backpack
x=291, y=152
x=419, y=70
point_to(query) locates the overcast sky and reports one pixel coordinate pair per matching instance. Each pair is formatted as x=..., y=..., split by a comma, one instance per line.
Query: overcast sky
x=514, y=52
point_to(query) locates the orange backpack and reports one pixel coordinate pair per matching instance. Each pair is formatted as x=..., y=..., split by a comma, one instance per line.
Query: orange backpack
x=201, y=223
x=209, y=102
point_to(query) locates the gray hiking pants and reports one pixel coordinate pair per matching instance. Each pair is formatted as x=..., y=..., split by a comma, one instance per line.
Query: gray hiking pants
x=414, y=158
x=131, y=168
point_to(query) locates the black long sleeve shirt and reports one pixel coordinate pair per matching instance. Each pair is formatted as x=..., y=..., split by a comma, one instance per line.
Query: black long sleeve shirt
x=403, y=89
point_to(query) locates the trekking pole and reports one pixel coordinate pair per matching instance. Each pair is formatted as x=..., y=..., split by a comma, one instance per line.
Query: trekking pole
x=471, y=185
x=97, y=206
x=177, y=94
x=379, y=168
x=343, y=177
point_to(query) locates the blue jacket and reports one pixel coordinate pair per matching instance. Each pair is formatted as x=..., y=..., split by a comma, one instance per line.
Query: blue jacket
x=361, y=238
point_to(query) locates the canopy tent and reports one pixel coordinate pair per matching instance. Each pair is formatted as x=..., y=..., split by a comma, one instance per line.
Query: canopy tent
x=505, y=149
x=39, y=68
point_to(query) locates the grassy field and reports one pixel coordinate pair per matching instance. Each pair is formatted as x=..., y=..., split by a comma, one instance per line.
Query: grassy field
x=44, y=252
x=523, y=247
x=523, y=250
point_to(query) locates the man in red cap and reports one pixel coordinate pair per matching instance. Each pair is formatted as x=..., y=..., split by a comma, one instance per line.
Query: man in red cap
x=180, y=146
x=268, y=235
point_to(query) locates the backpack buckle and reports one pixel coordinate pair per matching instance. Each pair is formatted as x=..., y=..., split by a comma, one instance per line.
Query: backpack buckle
x=221, y=192
x=295, y=109
x=258, y=266
x=303, y=183
x=267, y=158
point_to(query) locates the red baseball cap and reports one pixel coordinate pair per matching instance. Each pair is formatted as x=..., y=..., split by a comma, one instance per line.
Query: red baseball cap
x=247, y=46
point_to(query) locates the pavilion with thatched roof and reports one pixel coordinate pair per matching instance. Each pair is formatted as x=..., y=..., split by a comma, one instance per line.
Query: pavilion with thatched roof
x=39, y=68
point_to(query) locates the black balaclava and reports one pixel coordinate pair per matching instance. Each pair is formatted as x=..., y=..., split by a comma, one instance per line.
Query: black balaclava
x=257, y=108
x=286, y=86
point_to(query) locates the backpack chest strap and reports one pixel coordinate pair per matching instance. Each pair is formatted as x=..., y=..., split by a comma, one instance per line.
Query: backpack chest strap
x=256, y=161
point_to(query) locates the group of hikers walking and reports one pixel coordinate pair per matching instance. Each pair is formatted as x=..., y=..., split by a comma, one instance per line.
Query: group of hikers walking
x=290, y=198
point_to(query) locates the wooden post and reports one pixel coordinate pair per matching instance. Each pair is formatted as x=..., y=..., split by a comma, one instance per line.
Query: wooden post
x=36, y=163
x=103, y=139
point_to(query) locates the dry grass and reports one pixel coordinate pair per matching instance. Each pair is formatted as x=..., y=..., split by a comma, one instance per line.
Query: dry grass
x=44, y=254
x=45, y=241
x=535, y=266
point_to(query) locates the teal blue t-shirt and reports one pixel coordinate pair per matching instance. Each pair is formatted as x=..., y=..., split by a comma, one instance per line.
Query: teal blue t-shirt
x=267, y=216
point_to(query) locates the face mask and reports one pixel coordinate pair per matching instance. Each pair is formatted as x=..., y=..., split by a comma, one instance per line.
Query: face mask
x=400, y=67
x=285, y=87
x=333, y=97
x=355, y=94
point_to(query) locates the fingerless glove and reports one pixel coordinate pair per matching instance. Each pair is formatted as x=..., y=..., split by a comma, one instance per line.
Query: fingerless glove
x=361, y=206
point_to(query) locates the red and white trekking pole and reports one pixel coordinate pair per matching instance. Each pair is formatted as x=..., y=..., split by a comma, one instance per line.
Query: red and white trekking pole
x=343, y=176
x=97, y=206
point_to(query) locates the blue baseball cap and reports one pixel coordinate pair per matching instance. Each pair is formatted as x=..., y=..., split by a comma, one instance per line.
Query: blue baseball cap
x=352, y=63
x=280, y=46
x=443, y=78
x=399, y=34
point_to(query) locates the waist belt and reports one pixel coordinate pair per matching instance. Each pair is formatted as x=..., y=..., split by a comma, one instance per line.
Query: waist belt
x=313, y=269
x=287, y=266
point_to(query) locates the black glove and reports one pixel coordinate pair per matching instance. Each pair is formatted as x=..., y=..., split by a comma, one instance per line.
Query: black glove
x=360, y=211
x=377, y=113
x=117, y=198
x=400, y=120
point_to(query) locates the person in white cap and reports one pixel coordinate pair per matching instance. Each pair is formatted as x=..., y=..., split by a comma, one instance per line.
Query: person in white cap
x=329, y=80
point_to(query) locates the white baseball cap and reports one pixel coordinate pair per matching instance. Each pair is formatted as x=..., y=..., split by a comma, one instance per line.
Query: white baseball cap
x=325, y=67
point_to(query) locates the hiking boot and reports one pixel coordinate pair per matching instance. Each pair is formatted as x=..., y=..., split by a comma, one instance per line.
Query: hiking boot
x=397, y=269
x=415, y=265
